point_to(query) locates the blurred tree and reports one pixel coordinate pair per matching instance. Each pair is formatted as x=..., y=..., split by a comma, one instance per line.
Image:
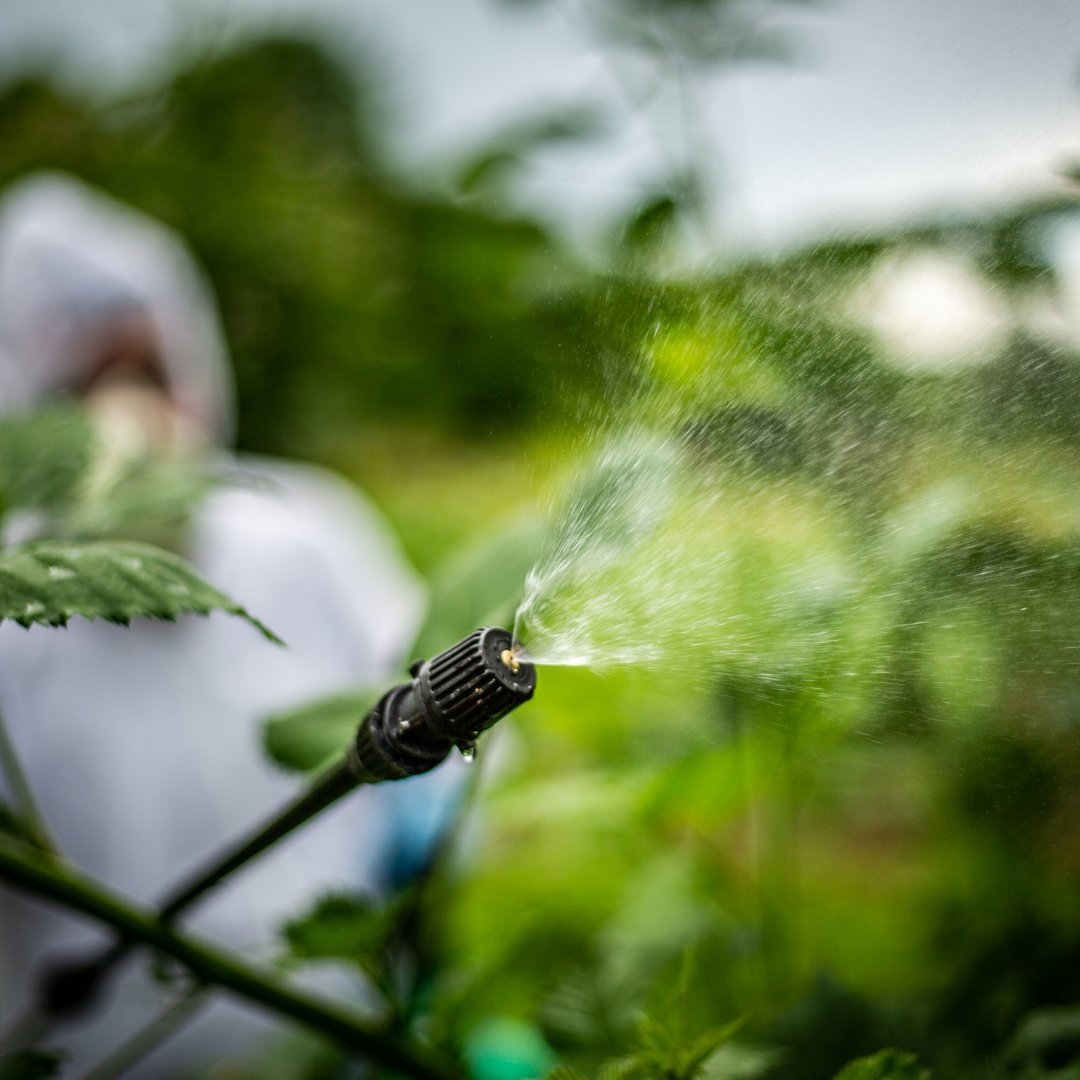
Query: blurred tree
x=328, y=270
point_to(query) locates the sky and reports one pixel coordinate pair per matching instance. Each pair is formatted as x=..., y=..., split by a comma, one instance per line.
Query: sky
x=890, y=109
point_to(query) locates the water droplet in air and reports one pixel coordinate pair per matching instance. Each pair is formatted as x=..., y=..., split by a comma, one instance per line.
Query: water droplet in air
x=468, y=752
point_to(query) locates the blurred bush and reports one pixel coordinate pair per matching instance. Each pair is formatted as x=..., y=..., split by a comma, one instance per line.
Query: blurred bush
x=329, y=271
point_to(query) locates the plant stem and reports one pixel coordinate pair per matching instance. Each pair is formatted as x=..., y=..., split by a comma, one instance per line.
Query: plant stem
x=212, y=966
x=335, y=782
x=27, y=805
x=148, y=1038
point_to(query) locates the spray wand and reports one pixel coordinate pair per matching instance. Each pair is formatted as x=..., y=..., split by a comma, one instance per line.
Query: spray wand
x=452, y=699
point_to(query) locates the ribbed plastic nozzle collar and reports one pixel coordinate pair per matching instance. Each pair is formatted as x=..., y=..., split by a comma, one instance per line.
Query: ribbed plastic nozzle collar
x=469, y=687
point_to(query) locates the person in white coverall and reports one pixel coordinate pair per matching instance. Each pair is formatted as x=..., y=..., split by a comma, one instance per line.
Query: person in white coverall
x=142, y=743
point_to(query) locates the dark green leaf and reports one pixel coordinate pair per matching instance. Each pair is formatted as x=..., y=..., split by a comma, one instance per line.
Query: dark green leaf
x=884, y=1065
x=507, y=149
x=651, y=223
x=342, y=926
x=31, y=1064
x=43, y=455
x=49, y=582
x=487, y=169
x=1044, y=1036
x=316, y=734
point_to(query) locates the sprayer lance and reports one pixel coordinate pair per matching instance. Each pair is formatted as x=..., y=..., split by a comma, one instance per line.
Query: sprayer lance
x=452, y=699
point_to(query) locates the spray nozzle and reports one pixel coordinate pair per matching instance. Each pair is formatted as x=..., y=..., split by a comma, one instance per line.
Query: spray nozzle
x=452, y=699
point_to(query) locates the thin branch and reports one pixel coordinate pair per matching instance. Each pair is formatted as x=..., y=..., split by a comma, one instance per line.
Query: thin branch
x=30, y=814
x=149, y=1038
x=26, y=869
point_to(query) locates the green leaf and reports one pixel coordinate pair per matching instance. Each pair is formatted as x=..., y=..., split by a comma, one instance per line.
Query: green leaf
x=47, y=582
x=884, y=1065
x=665, y=1046
x=343, y=926
x=623, y=1068
x=652, y=222
x=1045, y=1035
x=31, y=1064
x=479, y=585
x=316, y=734
x=43, y=455
x=145, y=499
x=507, y=149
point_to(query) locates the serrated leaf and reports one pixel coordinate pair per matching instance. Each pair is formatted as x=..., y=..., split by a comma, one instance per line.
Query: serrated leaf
x=48, y=582
x=43, y=455
x=621, y=1069
x=343, y=926
x=316, y=734
x=702, y=1048
x=884, y=1065
x=564, y=1072
x=591, y=1007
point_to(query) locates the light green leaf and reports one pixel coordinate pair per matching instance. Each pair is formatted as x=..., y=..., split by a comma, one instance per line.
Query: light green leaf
x=43, y=456
x=884, y=1065
x=479, y=585
x=624, y=1068
x=48, y=582
x=316, y=734
x=146, y=499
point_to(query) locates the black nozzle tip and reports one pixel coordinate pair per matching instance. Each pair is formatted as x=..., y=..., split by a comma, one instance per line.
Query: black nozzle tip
x=453, y=698
x=501, y=655
x=472, y=685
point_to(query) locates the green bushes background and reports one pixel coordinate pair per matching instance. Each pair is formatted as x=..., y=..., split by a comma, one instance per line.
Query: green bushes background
x=864, y=830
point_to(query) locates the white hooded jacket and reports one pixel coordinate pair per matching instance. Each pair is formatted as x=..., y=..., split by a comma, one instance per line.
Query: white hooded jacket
x=142, y=744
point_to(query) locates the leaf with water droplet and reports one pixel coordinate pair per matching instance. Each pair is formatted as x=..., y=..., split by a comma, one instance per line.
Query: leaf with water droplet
x=49, y=582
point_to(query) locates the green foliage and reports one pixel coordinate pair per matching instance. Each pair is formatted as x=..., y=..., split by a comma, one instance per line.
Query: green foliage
x=52, y=464
x=51, y=468
x=884, y=1065
x=503, y=153
x=417, y=310
x=43, y=458
x=32, y=1064
x=479, y=585
x=48, y=582
x=346, y=927
x=144, y=499
x=1045, y=1045
x=369, y=936
x=665, y=1047
x=318, y=733
x=857, y=803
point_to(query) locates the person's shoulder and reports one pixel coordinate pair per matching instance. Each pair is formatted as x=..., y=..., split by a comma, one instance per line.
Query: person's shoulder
x=287, y=528
x=303, y=500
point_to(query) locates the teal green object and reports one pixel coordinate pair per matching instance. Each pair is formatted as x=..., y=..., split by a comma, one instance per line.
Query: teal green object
x=508, y=1049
